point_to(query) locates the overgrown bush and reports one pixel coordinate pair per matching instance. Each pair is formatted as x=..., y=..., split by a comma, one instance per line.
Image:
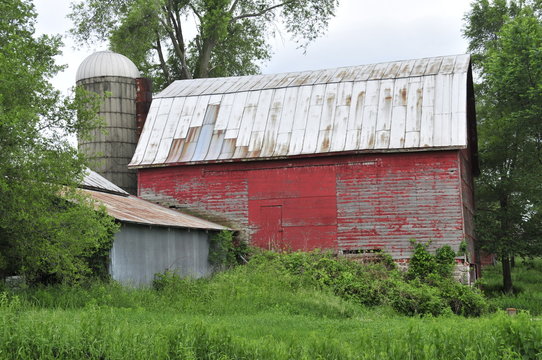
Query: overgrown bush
x=462, y=300
x=426, y=289
x=416, y=298
x=226, y=251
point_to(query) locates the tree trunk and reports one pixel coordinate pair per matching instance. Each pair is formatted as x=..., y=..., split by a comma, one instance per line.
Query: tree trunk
x=506, y=275
x=506, y=266
x=205, y=58
x=512, y=262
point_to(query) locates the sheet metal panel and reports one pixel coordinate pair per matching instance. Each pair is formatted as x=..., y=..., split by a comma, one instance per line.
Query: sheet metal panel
x=367, y=137
x=139, y=252
x=236, y=115
x=169, y=130
x=355, y=116
x=401, y=106
x=398, y=114
x=428, y=111
x=310, y=140
x=328, y=118
x=94, y=181
x=340, y=119
x=385, y=107
x=273, y=123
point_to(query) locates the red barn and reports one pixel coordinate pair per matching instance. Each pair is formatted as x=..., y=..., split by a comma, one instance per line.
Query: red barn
x=356, y=159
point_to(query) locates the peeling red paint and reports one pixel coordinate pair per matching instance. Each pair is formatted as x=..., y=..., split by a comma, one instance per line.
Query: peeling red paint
x=366, y=202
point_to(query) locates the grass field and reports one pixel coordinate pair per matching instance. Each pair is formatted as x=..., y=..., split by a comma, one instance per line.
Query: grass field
x=527, y=280
x=245, y=313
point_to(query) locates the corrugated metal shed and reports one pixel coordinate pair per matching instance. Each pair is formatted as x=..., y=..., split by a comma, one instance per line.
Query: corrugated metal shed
x=137, y=211
x=398, y=106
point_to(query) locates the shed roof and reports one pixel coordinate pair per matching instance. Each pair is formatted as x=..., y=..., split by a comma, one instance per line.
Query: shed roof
x=397, y=106
x=127, y=208
x=94, y=181
x=138, y=211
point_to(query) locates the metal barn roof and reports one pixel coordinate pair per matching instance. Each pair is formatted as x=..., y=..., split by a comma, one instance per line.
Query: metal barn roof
x=138, y=211
x=397, y=106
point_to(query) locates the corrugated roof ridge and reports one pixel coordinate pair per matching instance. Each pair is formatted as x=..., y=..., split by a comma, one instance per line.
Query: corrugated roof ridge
x=156, y=96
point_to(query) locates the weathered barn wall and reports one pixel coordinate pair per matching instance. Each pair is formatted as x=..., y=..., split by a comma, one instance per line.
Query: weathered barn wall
x=350, y=202
x=467, y=195
x=140, y=251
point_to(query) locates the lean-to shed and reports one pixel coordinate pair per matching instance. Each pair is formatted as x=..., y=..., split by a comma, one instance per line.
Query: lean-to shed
x=152, y=238
x=356, y=159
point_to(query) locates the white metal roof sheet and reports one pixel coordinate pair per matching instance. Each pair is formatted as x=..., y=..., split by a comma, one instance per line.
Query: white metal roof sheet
x=397, y=106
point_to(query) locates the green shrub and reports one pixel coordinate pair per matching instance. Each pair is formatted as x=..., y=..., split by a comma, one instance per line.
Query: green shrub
x=226, y=251
x=431, y=291
x=462, y=300
x=422, y=263
x=416, y=298
x=445, y=261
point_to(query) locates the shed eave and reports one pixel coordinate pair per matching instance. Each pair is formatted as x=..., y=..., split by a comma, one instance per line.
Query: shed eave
x=172, y=226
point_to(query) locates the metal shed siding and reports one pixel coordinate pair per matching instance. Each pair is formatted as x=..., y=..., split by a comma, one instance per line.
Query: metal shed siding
x=364, y=201
x=140, y=251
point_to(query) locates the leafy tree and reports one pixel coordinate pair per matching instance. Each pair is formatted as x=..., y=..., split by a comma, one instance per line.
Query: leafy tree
x=43, y=236
x=230, y=35
x=506, y=39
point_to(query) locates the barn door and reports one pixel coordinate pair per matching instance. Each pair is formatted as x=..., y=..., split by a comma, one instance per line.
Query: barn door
x=271, y=226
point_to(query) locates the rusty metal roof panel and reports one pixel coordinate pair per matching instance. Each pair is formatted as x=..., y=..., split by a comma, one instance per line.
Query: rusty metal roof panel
x=395, y=106
x=135, y=210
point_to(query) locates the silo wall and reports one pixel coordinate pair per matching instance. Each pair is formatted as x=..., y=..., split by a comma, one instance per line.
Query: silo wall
x=110, y=148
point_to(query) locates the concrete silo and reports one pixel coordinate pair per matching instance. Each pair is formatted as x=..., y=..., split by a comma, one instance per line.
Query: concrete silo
x=110, y=152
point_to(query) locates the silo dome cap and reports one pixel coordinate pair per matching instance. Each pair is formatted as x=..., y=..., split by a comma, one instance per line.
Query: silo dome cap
x=106, y=63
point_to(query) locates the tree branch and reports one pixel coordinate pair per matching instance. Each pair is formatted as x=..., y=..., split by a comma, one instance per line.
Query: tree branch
x=262, y=12
x=233, y=6
x=195, y=12
x=163, y=64
x=177, y=42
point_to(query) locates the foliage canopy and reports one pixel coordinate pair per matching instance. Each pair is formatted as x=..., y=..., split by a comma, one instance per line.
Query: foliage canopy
x=42, y=235
x=506, y=41
x=183, y=39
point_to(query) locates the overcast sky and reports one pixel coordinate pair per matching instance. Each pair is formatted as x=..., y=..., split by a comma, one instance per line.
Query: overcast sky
x=362, y=32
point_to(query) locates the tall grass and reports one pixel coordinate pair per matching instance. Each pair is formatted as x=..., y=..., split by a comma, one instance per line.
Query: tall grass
x=115, y=333
x=251, y=312
x=527, y=281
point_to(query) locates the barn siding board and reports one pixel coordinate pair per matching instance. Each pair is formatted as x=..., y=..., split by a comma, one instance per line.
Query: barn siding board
x=343, y=202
